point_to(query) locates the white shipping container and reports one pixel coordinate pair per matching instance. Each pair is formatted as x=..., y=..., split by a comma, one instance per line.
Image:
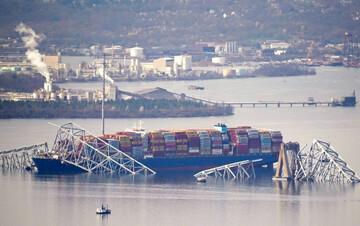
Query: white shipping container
x=194, y=150
x=217, y=151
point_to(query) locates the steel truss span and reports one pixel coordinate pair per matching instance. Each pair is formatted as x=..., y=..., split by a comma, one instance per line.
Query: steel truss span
x=80, y=148
x=21, y=158
x=322, y=163
x=239, y=170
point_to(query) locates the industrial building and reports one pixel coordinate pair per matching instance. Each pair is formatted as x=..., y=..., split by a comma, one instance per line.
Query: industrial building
x=184, y=62
x=231, y=47
x=164, y=65
x=156, y=93
x=53, y=62
x=218, y=60
x=112, y=92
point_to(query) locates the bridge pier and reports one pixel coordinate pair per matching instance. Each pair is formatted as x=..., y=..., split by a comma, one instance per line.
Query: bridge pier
x=278, y=105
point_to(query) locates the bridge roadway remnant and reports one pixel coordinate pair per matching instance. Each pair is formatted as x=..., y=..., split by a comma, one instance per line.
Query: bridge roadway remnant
x=21, y=158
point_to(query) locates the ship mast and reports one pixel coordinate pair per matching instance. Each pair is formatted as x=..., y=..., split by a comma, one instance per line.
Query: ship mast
x=103, y=99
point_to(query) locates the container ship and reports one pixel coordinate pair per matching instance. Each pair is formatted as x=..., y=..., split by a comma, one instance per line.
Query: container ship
x=195, y=149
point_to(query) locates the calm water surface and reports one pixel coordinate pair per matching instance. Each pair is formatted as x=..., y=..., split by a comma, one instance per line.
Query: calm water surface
x=177, y=199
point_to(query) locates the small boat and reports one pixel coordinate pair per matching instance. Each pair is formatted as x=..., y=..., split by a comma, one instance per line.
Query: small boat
x=193, y=87
x=103, y=210
x=201, y=179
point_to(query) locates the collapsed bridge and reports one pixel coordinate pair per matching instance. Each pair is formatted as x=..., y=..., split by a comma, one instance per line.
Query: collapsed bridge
x=77, y=148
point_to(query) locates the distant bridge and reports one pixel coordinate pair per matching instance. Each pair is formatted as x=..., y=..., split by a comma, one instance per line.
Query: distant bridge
x=256, y=104
x=278, y=103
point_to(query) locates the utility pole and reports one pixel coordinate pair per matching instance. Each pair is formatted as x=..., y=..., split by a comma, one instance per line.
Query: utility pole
x=103, y=99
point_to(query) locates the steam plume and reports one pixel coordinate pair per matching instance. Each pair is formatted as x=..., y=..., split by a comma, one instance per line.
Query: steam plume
x=31, y=40
x=101, y=72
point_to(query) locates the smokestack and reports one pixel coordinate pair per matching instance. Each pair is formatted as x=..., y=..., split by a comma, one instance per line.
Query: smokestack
x=31, y=40
x=48, y=87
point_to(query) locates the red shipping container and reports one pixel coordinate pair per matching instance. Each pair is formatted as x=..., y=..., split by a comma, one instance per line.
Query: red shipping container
x=170, y=145
x=159, y=154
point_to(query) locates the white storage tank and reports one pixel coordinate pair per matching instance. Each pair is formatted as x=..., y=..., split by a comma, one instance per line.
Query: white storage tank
x=186, y=62
x=48, y=87
x=137, y=52
x=178, y=60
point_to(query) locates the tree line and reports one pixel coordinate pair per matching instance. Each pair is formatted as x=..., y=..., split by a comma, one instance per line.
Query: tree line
x=113, y=109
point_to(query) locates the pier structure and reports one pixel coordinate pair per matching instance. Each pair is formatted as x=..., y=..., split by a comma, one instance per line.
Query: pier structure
x=322, y=163
x=21, y=158
x=76, y=146
x=239, y=170
x=258, y=103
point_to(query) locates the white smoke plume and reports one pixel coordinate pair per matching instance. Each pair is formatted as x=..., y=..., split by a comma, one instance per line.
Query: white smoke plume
x=101, y=72
x=31, y=40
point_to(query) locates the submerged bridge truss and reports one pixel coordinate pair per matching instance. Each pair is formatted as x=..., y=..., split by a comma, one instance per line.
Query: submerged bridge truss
x=82, y=149
x=239, y=170
x=322, y=163
x=21, y=158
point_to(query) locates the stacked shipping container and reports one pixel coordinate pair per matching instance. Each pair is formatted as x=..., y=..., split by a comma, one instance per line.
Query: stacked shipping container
x=170, y=144
x=239, y=139
x=242, y=140
x=205, y=143
x=276, y=139
x=125, y=143
x=181, y=143
x=254, y=141
x=194, y=142
x=136, y=145
x=157, y=144
x=265, y=142
x=216, y=142
x=226, y=143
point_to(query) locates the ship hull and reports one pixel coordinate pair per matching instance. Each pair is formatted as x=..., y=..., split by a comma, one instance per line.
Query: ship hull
x=55, y=166
x=202, y=163
x=162, y=164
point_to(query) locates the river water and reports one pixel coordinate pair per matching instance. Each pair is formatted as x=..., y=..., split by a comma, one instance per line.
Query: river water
x=176, y=198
